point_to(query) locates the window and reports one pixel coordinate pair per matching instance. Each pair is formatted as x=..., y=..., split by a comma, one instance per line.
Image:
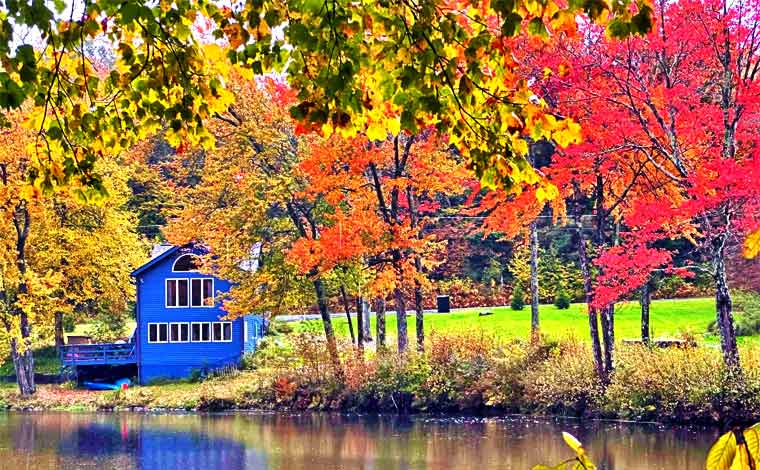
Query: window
x=177, y=292
x=208, y=292
x=186, y=263
x=179, y=332
x=222, y=331
x=184, y=332
x=171, y=292
x=202, y=292
x=183, y=289
x=158, y=332
x=201, y=332
x=190, y=292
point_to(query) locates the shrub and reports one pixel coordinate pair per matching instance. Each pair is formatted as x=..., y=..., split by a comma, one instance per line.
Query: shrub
x=518, y=298
x=666, y=383
x=474, y=372
x=69, y=323
x=107, y=326
x=562, y=300
x=565, y=383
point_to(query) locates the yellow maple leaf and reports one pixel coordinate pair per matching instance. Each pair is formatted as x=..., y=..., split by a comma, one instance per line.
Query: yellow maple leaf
x=752, y=245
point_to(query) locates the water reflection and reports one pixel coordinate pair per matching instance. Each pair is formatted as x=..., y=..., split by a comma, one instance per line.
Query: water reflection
x=277, y=441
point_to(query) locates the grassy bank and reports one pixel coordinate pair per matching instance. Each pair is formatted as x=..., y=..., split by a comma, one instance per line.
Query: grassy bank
x=468, y=373
x=668, y=318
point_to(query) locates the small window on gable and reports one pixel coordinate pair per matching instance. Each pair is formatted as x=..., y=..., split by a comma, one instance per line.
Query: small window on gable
x=186, y=263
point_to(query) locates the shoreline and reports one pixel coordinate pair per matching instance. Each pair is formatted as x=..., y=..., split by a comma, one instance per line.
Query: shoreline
x=88, y=401
x=427, y=416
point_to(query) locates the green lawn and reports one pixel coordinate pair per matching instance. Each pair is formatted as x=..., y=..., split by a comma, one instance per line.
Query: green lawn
x=668, y=318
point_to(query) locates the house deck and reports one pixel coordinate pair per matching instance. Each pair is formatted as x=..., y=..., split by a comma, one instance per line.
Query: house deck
x=98, y=354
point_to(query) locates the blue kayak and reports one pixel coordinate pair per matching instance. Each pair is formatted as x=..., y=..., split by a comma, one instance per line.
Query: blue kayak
x=105, y=386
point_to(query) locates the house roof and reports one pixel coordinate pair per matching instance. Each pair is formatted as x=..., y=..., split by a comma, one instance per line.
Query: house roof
x=163, y=251
x=155, y=260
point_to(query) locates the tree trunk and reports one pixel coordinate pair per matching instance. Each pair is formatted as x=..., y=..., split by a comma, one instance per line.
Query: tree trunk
x=347, y=307
x=725, y=320
x=646, y=300
x=59, y=340
x=360, y=325
x=366, y=323
x=419, y=309
x=23, y=363
x=592, y=317
x=608, y=337
x=534, y=324
x=332, y=345
x=403, y=337
x=380, y=323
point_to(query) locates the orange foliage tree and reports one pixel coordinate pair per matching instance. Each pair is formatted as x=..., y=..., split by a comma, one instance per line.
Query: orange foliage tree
x=382, y=194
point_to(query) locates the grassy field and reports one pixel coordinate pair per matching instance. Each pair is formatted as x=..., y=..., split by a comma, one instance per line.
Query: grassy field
x=668, y=318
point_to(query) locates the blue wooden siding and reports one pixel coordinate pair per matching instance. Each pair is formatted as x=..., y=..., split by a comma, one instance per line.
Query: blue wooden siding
x=256, y=328
x=178, y=360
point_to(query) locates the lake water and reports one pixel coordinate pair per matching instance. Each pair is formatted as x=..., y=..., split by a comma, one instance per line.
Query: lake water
x=285, y=441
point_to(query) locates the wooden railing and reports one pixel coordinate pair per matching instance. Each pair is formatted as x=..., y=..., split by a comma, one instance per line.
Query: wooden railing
x=90, y=354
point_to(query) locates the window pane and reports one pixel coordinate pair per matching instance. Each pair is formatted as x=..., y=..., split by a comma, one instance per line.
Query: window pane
x=196, y=331
x=196, y=293
x=208, y=292
x=184, y=332
x=227, y=332
x=171, y=293
x=152, y=333
x=174, y=332
x=205, y=332
x=163, y=333
x=217, y=327
x=182, y=288
x=186, y=263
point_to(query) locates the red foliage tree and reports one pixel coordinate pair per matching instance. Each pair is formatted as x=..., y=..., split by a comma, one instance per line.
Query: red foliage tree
x=677, y=112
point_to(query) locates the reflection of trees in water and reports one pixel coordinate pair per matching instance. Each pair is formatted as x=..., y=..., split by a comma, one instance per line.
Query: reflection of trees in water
x=308, y=441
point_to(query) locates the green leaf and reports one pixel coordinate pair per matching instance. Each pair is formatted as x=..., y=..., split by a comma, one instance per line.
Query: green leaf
x=641, y=23
x=129, y=12
x=511, y=24
x=537, y=27
x=618, y=28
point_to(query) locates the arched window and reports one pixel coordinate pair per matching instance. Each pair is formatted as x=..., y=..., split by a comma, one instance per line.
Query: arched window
x=185, y=263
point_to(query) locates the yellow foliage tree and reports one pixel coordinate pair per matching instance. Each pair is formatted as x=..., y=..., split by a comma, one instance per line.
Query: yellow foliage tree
x=58, y=254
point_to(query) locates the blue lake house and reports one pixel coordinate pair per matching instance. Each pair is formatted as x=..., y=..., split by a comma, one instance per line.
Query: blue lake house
x=180, y=323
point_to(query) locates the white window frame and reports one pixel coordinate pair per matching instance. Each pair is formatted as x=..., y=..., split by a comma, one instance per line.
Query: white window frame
x=210, y=332
x=179, y=332
x=189, y=292
x=158, y=333
x=213, y=290
x=245, y=330
x=176, y=292
x=221, y=326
